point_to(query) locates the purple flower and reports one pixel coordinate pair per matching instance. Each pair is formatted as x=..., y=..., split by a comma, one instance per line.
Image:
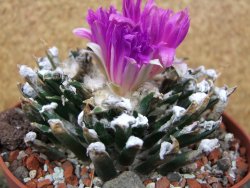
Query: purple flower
x=134, y=45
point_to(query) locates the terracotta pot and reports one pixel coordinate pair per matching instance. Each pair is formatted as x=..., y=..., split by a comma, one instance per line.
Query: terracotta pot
x=231, y=126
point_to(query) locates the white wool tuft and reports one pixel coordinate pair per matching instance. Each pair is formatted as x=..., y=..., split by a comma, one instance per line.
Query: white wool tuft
x=211, y=73
x=167, y=95
x=30, y=137
x=115, y=101
x=80, y=119
x=141, y=121
x=64, y=100
x=198, y=97
x=49, y=107
x=94, y=82
x=124, y=120
x=55, y=121
x=180, y=67
x=68, y=86
x=208, y=145
x=45, y=72
x=70, y=68
x=26, y=71
x=222, y=94
x=105, y=122
x=178, y=111
x=203, y=86
x=93, y=133
x=166, y=148
x=134, y=141
x=28, y=90
x=96, y=146
x=189, y=128
x=53, y=51
x=149, y=87
x=209, y=125
x=44, y=63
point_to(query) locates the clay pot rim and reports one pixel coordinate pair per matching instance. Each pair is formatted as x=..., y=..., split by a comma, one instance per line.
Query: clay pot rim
x=226, y=119
x=231, y=126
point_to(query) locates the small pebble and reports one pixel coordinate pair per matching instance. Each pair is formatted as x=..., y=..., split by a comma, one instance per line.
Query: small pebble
x=21, y=155
x=7, y=164
x=50, y=177
x=174, y=176
x=21, y=172
x=77, y=171
x=25, y=180
x=224, y=164
x=45, y=167
x=162, y=183
x=97, y=181
x=150, y=185
x=188, y=176
x=32, y=174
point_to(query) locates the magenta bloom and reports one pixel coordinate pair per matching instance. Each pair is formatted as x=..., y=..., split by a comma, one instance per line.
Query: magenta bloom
x=134, y=45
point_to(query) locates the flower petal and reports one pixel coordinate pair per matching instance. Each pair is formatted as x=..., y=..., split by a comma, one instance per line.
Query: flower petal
x=145, y=73
x=176, y=29
x=99, y=57
x=83, y=33
x=166, y=56
x=131, y=9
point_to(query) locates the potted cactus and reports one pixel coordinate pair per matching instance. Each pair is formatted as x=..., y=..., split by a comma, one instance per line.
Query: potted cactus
x=126, y=104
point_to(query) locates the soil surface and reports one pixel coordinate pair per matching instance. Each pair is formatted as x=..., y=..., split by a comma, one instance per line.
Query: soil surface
x=13, y=127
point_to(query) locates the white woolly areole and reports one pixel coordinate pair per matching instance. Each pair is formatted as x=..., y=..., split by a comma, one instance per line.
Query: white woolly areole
x=94, y=82
x=45, y=72
x=166, y=148
x=180, y=67
x=105, y=122
x=80, y=119
x=116, y=101
x=189, y=128
x=203, y=86
x=96, y=147
x=26, y=71
x=49, y=107
x=28, y=90
x=208, y=145
x=211, y=73
x=134, y=141
x=55, y=121
x=209, y=125
x=30, y=137
x=44, y=63
x=124, y=120
x=222, y=94
x=167, y=95
x=93, y=133
x=67, y=85
x=53, y=51
x=198, y=97
x=70, y=67
x=149, y=87
x=140, y=121
x=178, y=111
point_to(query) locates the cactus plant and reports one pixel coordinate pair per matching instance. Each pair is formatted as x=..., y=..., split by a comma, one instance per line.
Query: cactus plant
x=80, y=105
x=151, y=129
